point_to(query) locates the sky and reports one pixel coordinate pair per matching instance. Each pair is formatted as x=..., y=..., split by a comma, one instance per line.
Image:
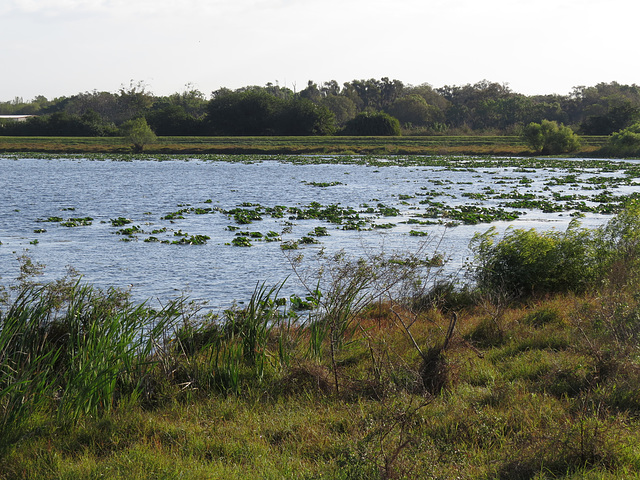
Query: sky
x=62, y=47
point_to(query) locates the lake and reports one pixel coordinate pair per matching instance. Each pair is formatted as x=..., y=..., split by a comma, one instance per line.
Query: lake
x=136, y=222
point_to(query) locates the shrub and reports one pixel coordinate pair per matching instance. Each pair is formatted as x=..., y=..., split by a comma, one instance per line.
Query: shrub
x=625, y=143
x=528, y=262
x=138, y=132
x=376, y=123
x=550, y=138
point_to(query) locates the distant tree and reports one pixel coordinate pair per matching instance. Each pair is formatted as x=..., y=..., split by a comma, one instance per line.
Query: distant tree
x=548, y=107
x=342, y=108
x=374, y=124
x=192, y=101
x=60, y=124
x=303, y=117
x=601, y=101
x=475, y=106
x=96, y=126
x=105, y=104
x=135, y=100
x=172, y=119
x=413, y=109
x=430, y=95
x=250, y=112
x=330, y=88
x=138, y=132
x=550, y=138
x=311, y=93
x=614, y=119
x=375, y=94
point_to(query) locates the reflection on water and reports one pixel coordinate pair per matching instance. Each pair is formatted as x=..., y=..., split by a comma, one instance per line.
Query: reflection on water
x=145, y=191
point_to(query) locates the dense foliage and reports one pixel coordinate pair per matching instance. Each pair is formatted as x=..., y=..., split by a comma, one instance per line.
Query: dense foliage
x=372, y=124
x=484, y=107
x=625, y=143
x=549, y=138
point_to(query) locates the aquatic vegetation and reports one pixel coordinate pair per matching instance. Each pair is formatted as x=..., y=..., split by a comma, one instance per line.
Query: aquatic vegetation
x=178, y=215
x=289, y=245
x=323, y=184
x=308, y=240
x=129, y=231
x=387, y=211
x=319, y=232
x=202, y=211
x=39, y=230
x=77, y=222
x=546, y=206
x=244, y=216
x=120, y=221
x=241, y=242
x=475, y=196
x=192, y=240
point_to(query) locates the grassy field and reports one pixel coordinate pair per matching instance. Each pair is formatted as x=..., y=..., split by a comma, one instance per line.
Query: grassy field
x=529, y=379
x=432, y=145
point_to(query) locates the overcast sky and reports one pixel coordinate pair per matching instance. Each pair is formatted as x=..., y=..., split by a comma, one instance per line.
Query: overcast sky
x=63, y=47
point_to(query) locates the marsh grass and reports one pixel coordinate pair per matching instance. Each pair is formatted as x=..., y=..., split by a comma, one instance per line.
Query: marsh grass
x=544, y=386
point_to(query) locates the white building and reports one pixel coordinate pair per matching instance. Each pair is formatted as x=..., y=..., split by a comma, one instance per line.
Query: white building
x=15, y=118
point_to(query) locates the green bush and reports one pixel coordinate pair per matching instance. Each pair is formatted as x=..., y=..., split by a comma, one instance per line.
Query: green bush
x=625, y=143
x=550, y=138
x=528, y=262
x=373, y=124
x=139, y=133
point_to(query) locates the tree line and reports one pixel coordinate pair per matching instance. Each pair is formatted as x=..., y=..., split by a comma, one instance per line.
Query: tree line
x=358, y=107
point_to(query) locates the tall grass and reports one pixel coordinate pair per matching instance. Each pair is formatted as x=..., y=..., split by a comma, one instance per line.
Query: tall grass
x=74, y=349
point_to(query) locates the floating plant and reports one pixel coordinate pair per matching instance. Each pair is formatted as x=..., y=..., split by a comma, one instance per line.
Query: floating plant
x=77, y=222
x=319, y=232
x=120, y=221
x=289, y=245
x=241, y=242
x=129, y=231
x=192, y=240
x=308, y=240
x=323, y=184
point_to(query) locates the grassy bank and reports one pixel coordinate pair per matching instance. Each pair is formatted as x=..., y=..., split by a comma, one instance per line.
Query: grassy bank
x=385, y=370
x=418, y=145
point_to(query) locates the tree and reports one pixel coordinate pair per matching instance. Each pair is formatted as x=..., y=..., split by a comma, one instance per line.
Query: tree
x=342, y=108
x=172, y=119
x=138, y=132
x=414, y=109
x=311, y=93
x=616, y=118
x=250, y=112
x=303, y=117
x=374, y=124
x=550, y=138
